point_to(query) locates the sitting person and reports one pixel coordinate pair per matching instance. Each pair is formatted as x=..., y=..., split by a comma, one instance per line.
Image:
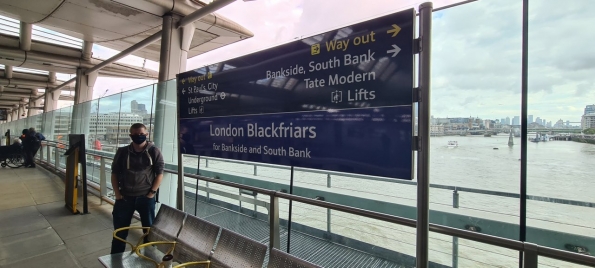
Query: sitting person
x=17, y=143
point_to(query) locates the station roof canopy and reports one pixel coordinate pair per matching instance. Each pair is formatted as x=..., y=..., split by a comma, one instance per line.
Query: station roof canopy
x=62, y=27
x=119, y=24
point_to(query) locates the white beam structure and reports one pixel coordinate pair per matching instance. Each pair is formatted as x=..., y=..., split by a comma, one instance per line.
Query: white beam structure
x=25, y=32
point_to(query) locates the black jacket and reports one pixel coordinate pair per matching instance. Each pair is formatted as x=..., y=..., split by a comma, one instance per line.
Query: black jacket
x=31, y=142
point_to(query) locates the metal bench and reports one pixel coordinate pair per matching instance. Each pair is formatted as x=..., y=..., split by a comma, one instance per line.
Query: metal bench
x=194, y=244
x=280, y=259
x=191, y=241
x=162, y=234
x=234, y=250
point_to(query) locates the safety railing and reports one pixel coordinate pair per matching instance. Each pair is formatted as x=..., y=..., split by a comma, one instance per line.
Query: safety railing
x=456, y=189
x=530, y=251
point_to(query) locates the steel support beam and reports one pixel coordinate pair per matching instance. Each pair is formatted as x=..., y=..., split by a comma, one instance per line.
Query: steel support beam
x=8, y=71
x=83, y=93
x=423, y=155
x=87, y=50
x=50, y=101
x=206, y=10
x=72, y=80
x=25, y=36
x=27, y=90
x=156, y=36
x=168, y=67
x=173, y=55
x=25, y=82
x=83, y=89
x=32, y=108
x=164, y=54
x=52, y=77
x=11, y=103
x=65, y=64
x=19, y=95
x=20, y=56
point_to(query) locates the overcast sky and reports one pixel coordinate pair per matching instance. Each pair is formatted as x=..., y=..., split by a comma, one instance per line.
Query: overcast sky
x=476, y=60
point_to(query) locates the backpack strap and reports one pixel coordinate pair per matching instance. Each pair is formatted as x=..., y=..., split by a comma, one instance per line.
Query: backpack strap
x=150, y=154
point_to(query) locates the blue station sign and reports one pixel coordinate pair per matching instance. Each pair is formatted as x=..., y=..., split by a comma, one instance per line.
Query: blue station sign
x=340, y=100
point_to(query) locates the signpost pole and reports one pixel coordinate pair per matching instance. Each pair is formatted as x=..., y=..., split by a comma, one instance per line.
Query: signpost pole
x=423, y=155
x=83, y=162
x=196, y=193
x=289, y=217
x=180, y=190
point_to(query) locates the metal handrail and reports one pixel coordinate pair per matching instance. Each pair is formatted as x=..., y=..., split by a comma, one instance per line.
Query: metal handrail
x=474, y=236
x=460, y=233
x=413, y=183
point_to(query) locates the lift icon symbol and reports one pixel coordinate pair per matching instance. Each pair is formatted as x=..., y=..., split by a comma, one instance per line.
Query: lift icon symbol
x=336, y=96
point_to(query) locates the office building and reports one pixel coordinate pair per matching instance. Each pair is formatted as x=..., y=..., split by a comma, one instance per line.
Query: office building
x=589, y=109
x=516, y=121
x=588, y=121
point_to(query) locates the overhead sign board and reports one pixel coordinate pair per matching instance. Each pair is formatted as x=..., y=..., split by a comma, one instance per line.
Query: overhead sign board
x=341, y=101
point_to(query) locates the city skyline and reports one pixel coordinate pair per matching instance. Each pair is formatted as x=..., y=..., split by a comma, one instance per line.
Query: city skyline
x=515, y=120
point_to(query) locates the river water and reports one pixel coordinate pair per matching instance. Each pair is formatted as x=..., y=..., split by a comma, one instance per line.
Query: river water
x=560, y=169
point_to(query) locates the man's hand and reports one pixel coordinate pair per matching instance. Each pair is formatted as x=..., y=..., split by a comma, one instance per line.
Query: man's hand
x=150, y=195
x=118, y=196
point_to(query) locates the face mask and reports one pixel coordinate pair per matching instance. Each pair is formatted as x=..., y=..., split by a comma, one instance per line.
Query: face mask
x=138, y=139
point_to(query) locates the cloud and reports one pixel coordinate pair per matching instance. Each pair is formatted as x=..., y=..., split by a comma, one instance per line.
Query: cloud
x=477, y=53
x=275, y=22
x=477, y=49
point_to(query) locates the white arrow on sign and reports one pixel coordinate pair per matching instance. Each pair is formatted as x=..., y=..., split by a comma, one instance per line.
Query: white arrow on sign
x=395, y=50
x=183, y=91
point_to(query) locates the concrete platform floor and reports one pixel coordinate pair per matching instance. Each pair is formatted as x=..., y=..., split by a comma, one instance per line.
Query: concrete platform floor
x=36, y=229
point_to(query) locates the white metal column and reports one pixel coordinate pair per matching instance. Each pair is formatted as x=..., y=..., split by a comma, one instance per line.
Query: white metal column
x=83, y=93
x=174, y=51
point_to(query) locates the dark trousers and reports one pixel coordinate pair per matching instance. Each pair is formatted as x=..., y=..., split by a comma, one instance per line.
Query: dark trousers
x=30, y=156
x=123, y=212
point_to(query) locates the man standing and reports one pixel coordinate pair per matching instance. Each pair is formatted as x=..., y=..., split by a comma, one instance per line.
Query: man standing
x=31, y=145
x=137, y=171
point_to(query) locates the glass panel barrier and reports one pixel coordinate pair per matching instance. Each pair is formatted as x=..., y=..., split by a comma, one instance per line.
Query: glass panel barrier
x=47, y=128
x=549, y=262
x=136, y=108
x=337, y=239
x=457, y=252
x=560, y=149
x=474, y=150
x=89, y=128
x=62, y=128
x=151, y=117
x=108, y=122
x=165, y=136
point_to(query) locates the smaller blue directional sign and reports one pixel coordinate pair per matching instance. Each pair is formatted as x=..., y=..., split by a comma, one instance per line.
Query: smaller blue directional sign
x=341, y=100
